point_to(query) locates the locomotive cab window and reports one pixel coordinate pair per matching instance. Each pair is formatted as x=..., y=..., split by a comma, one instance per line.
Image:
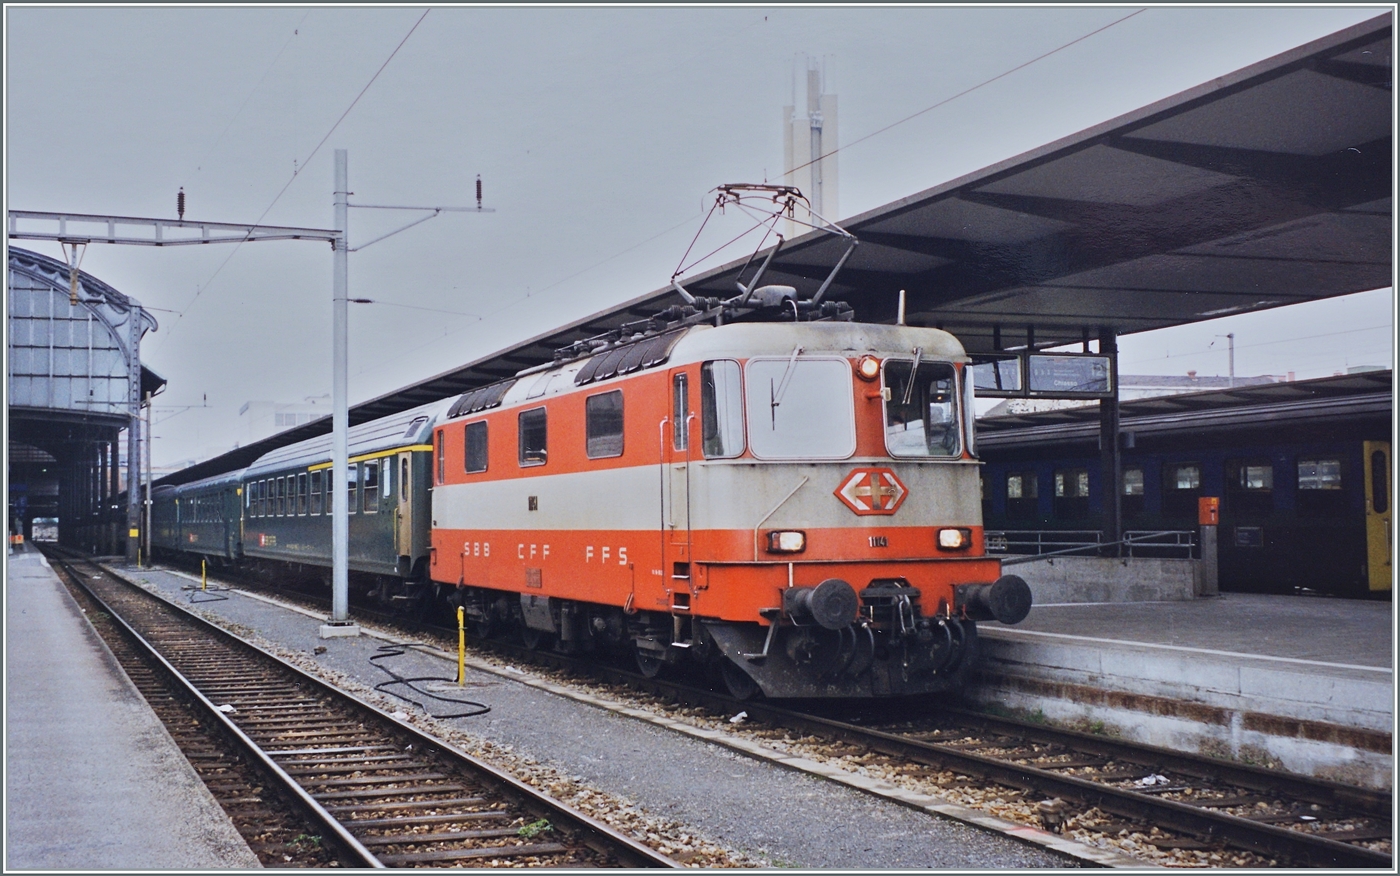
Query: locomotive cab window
x=603, y=416
x=680, y=410
x=370, y=493
x=1320, y=487
x=721, y=409
x=476, y=447
x=533, y=437
x=921, y=414
x=785, y=395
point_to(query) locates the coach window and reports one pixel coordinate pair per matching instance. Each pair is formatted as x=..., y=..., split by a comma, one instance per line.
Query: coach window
x=1022, y=491
x=1320, y=487
x=533, y=437
x=680, y=409
x=258, y=498
x=1072, y=494
x=721, y=409
x=316, y=493
x=1134, y=501
x=301, y=494
x=352, y=482
x=386, y=478
x=476, y=446
x=603, y=416
x=1249, y=487
x=1181, y=487
x=281, y=496
x=403, y=478
x=370, y=494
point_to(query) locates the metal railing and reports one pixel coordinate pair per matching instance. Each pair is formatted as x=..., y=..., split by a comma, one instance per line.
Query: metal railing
x=1173, y=543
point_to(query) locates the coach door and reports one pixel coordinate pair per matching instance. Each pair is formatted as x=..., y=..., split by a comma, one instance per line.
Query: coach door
x=403, y=514
x=1379, y=538
x=675, y=486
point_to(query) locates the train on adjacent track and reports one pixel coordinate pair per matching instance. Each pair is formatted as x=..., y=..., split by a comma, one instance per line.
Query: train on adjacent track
x=777, y=494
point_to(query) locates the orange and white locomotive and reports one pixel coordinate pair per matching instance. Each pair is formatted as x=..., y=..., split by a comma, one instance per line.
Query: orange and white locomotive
x=793, y=504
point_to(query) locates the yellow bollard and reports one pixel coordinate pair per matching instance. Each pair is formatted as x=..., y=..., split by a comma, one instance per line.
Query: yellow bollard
x=461, y=649
x=203, y=574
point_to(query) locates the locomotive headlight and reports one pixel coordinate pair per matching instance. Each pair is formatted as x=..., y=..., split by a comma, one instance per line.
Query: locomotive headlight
x=787, y=541
x=868, y=368
x=954, y=539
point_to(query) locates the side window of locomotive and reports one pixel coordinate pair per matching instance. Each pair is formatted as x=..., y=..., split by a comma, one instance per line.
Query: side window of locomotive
x=441, y=455
x=301, y=493
x=1181, y=487
x=921, y=415
x=476, y=447
x=785, y=396
x=1022, y=495
x=533, y=437
x=603, y=415
x=680, y=409
x=370, y=494
x=721, y=409
x=317, y=494
x=352, y=483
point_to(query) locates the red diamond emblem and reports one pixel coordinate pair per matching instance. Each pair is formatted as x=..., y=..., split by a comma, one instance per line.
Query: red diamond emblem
x=872, y=491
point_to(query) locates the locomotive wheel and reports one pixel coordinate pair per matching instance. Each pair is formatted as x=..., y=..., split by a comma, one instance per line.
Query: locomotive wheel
x=532, y=638
x=481, y=626
x=649, y=662
x=736, y=680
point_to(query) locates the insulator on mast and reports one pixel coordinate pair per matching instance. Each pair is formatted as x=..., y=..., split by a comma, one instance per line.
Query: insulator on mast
x=180, y=203
x=478, y=191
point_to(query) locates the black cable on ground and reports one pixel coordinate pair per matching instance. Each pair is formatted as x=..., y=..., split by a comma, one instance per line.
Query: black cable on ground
x=211, y=594
x=398, y=650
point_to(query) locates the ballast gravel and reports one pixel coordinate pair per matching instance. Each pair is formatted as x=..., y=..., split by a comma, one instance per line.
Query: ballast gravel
x=701, y=804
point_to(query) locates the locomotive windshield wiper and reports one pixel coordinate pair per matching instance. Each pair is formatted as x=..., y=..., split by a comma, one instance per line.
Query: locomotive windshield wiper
x=913, y=373
x=775, y=397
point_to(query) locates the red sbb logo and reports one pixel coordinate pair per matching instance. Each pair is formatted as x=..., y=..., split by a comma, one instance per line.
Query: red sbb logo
x=872, y=491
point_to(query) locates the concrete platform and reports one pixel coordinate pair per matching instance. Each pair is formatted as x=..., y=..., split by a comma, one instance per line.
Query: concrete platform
x=1301, y=683
x=92, y=779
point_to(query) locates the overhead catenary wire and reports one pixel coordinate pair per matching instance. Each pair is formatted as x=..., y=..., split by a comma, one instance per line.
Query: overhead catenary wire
x=968, y=91
x=296, y=173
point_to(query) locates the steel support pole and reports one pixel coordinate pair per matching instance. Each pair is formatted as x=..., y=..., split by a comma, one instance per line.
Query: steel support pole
x=146, y=502
x=340, y=414
x=133, y=434
x=1110, y=452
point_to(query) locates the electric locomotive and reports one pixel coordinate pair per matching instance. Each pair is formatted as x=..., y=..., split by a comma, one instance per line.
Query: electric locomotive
x=793, y=505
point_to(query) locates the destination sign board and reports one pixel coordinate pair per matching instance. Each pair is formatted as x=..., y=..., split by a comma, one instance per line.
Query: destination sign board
x=1042, y=375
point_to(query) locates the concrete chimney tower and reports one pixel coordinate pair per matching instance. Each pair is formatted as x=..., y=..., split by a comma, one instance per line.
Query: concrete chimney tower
x=809, y=132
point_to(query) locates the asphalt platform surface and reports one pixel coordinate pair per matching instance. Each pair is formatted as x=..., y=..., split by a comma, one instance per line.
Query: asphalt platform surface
x=92, y=779
x=779, y=816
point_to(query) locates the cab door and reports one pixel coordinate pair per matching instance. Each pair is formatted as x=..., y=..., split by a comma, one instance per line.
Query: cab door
x=403, y=511
x=675, y=489
x=1379, y=538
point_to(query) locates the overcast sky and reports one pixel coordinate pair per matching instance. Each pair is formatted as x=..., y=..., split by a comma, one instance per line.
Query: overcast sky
x=597, y=132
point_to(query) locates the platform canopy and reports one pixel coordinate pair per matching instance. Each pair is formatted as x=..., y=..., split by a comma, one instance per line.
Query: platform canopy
x=1265, y=187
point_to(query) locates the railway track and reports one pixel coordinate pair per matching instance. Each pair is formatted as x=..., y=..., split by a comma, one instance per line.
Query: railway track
x=1105, y=786
x=382, y=793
